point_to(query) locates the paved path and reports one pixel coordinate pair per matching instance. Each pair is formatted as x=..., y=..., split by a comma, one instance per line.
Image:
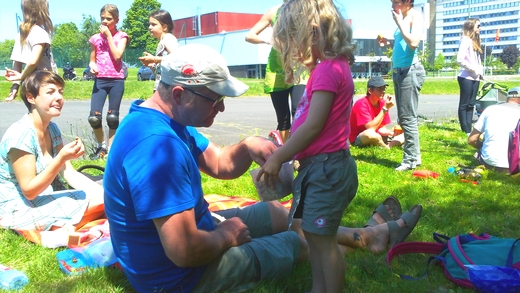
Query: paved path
x=243, y=116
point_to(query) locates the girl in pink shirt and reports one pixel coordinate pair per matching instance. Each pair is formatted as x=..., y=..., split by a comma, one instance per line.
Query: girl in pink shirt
x=313, y=33
x=107, y=66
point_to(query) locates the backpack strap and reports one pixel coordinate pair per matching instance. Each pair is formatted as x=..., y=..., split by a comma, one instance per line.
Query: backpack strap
x=440, y=238
x=509, y=262
x=415, y=247
x=458, y=253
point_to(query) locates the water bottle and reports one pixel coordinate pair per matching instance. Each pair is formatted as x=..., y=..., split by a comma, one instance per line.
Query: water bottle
x=12, y=279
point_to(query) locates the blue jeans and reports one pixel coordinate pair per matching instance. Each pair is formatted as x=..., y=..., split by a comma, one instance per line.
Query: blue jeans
x=408, y=82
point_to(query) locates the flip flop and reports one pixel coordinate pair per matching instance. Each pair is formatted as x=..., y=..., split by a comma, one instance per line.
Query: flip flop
x=394, y=205
x=398, y=234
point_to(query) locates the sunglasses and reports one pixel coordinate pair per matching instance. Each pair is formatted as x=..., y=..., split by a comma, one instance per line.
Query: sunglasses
x=215, y=102
x=478, y=25
x=379, y=88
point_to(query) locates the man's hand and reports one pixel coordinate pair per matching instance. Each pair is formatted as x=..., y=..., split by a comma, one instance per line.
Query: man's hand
x=235, y=231
x=474, y=139
x=389, y=102
x=260, y=149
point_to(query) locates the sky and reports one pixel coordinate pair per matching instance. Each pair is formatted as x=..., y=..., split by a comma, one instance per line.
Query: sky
x=372, y=15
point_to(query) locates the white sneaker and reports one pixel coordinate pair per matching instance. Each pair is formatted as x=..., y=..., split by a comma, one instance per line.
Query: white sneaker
x=404, y=167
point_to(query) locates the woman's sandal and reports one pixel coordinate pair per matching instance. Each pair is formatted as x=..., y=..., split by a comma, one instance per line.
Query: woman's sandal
x=398, y=234
x=394, y=205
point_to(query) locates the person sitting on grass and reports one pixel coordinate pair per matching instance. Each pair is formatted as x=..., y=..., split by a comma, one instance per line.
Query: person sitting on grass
x=162, y=231
x=34, y=164
x=490, y=135
x=370, y=116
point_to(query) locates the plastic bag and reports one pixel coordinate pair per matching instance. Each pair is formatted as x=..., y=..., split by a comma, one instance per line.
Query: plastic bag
x=494, y=279
x=98, y=253
x=280, y=189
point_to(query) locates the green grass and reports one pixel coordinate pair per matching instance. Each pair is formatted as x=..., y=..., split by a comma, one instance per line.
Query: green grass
x=450, y=207
x=82, y=90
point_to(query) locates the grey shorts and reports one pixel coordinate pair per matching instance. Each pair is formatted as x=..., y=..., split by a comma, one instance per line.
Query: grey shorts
x=241, y=267
x=324, y=187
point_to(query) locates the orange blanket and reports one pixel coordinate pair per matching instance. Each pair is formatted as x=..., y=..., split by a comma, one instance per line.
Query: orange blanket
x=98, y=228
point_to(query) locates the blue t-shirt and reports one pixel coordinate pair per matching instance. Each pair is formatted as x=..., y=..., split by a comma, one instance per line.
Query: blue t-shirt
x=152, y=172
x=402, y=55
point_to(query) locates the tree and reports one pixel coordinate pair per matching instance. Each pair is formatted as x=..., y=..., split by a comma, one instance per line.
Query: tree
x=517, y=64
x=510, y=55
x=89, y=26
x=388, y=52
x=69, y=45
x=136, y=24
x=424, y=57
x=6, y=47
x=451, y=63
x=438, y=64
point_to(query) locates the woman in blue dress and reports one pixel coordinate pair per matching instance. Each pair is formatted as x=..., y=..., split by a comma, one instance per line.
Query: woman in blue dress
x=34, y=161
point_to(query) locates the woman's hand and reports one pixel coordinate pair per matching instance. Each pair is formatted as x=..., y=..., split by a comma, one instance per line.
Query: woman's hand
x=72, y=150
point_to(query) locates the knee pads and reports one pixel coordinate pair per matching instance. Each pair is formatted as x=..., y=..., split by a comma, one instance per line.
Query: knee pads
x=113, y=119
x=95, y=119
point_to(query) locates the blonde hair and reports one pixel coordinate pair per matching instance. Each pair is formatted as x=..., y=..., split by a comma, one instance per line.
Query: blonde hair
x=308, y=30
x=112, y=9
x=468, y=30
x=35, y=12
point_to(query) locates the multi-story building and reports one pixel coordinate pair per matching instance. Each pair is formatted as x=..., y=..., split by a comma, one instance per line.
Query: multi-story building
x=500, y=24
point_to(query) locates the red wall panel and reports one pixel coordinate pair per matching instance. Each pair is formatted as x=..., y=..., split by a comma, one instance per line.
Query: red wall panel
x=214, y=23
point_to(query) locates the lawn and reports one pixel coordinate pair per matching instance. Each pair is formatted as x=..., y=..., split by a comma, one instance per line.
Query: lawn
x=450, y=207
x=82, y=90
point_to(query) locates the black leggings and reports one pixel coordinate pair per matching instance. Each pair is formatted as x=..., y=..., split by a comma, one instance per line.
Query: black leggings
x=103, y=87
x=280, y=102
x=468, y=95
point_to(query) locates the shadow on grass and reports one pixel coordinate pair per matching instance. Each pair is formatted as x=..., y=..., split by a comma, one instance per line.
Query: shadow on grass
x=443, y=127
x=372, y=159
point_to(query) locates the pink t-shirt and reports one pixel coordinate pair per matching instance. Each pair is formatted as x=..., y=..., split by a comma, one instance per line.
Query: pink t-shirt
x=333, y=76
x=108, y=67
x=362, y=113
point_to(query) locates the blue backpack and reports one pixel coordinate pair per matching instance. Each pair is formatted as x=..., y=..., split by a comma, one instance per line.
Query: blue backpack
x=453, y=254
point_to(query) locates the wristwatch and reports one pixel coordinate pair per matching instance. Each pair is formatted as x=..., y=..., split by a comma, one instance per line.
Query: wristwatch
x=384, y=110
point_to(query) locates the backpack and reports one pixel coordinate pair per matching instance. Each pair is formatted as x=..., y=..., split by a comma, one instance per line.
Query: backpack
x=466, y=249
x=488, y=86
x=513, y=151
